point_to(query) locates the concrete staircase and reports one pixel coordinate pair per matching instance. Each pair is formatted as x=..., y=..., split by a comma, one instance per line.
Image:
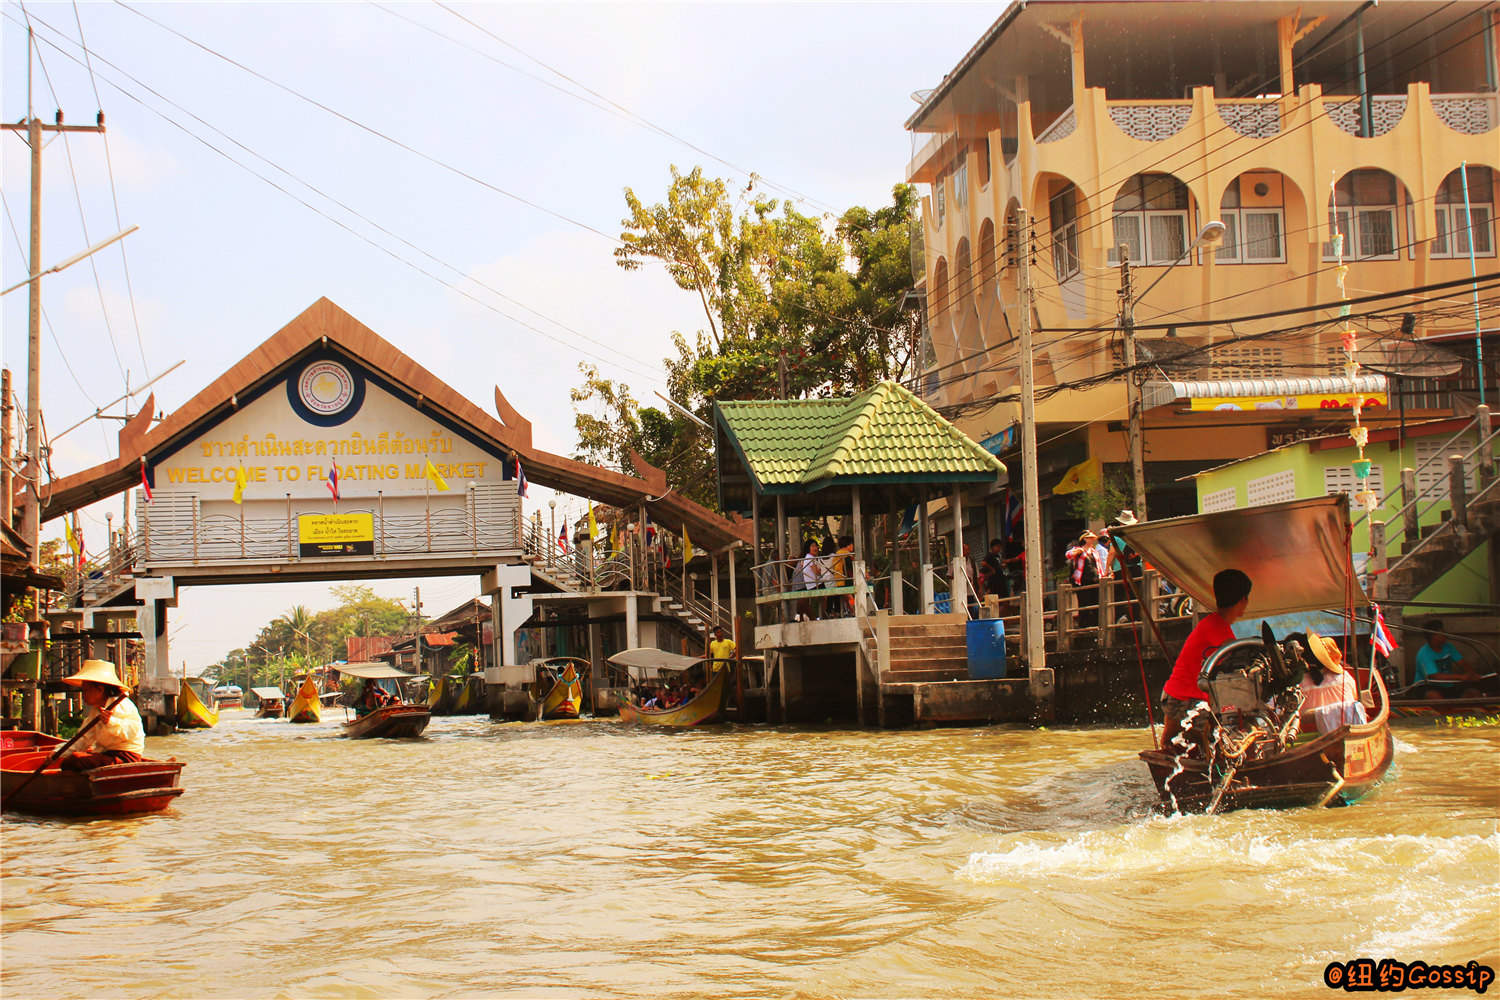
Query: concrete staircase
x=927, y=649
x=1441, y=547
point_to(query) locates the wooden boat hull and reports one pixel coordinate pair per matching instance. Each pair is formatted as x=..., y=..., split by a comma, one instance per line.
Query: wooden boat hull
x=1416, y=708
x=700, y=711
x=391, y=722
x=565, y=700
x=22, y=740
x=113, y=790
x=191, y=712
x=1334, y=768
x=308, y=705
x=270, y=710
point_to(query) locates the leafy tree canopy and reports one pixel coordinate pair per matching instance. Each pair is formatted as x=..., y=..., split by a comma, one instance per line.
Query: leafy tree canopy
x=810, y=302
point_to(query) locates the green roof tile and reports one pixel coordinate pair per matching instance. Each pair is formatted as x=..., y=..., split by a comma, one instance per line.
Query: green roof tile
x=885, y=431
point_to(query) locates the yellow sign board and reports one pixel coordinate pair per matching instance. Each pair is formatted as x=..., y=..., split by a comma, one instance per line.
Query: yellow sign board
x=1332, y=401
x=336, y=534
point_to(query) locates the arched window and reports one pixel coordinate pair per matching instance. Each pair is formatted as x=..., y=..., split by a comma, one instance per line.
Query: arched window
x=1363, y=208
x=938, y=296
x=988, y=271
x=963, y=275
x=1453, y=225
x=1253, y=211
x=1062, y=210
x=1151, y=219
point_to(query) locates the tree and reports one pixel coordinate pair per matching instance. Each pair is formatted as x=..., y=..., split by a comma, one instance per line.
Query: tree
x=794, y=306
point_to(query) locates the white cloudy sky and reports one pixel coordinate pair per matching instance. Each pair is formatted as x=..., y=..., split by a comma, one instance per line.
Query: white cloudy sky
x=811, y=97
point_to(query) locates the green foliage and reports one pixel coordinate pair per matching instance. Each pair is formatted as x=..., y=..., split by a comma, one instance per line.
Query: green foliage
x=278, y=649
x=1101, y=502
x=808, y=301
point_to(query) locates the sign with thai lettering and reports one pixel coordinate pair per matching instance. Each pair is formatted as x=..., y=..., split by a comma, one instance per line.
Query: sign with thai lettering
x=327, y=427
x=1280, y=437
x=1332, y=401
x=336, y=535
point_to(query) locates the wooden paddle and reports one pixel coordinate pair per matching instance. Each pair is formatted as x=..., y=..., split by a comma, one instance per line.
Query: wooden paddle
x=60, y=751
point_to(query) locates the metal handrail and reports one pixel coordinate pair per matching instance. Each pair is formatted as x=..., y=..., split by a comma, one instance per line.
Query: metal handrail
x=1491, y=485
x=1437, y=496
x=1440, y=455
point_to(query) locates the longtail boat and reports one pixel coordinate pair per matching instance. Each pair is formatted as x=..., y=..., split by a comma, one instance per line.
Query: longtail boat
x=308, y=705
x=192, y=713
x=272, y=702
x=1413, y=708
x=1298, y=559
x=564, y=697
x=463, y=704
x=441, y=697
x=113, y=790
x=399, y=720
x=648, y=664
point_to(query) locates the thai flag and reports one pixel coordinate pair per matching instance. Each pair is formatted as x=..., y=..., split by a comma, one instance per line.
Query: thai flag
x=520, y=477
x=562, y=538
x=1380, y=636
x=1014, y=516
x=333, y=480
x=145, y=481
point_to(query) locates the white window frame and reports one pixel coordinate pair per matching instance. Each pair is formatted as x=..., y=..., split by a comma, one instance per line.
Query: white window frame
x=1144, y=217
x=1230, y=253
x=940, y=199
x=1065, y=262
x=961, y=183
x=1347, y=219
x=1455, y=235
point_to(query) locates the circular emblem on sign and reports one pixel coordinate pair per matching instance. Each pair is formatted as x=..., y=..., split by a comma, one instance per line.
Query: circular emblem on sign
x=325, y=388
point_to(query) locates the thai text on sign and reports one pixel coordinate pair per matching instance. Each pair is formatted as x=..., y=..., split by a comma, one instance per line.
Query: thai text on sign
x=336, y=534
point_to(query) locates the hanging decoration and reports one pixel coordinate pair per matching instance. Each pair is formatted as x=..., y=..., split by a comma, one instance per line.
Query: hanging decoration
x=1349, y=340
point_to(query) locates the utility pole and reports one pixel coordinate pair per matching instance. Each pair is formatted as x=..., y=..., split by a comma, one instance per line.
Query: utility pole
x=33, y=126
x=5, y=445
x=1031, y=596
x=1137, y=445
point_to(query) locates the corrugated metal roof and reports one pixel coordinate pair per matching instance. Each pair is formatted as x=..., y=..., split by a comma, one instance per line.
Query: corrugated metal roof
x=1163, y=393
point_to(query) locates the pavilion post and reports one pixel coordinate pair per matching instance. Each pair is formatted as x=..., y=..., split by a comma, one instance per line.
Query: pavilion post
x=924, y=559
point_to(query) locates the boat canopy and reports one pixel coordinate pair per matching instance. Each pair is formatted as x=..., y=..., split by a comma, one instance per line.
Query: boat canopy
x=268, y=694
x=1296, y=553
x=373, y=671
x=647, y=662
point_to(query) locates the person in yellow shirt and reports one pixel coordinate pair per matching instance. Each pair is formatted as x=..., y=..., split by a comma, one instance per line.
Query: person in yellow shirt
x=721, y=651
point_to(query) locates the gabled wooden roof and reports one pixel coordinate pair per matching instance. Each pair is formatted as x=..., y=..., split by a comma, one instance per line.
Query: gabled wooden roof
x=323, y=324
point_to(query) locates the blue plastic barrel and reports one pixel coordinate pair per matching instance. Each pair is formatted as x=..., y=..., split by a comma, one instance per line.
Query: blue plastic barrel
x=986, y=641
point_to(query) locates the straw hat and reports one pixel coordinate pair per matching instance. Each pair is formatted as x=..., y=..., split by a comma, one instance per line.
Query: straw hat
x=1327, y=651
x=98, y=671
x=1127, y=518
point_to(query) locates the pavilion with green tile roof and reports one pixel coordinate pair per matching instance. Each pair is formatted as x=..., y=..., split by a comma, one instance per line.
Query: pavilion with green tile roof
x=879, y=452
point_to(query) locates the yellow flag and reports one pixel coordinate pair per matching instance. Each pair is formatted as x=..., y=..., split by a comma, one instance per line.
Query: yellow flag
x=436, y=480
x=614, y=537
x=241, y=480
x=75, y=544
x=593, y=525
x=1083, y=476
x=687, y=546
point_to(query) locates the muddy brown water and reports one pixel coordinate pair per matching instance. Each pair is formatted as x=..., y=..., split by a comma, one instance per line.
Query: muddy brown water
x=594, y=859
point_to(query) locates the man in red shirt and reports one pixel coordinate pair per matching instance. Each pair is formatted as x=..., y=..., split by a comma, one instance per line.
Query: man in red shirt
x=1180, y=696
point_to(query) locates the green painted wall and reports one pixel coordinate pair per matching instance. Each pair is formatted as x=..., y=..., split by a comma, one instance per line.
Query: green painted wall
x=1466, y=583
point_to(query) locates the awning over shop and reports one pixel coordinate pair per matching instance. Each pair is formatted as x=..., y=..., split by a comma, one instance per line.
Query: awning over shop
x=1266, y=393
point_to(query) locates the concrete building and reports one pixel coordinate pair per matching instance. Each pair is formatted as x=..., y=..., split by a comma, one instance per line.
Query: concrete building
x=1137, y=123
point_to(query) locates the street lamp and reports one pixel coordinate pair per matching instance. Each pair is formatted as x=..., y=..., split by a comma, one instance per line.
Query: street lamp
x=1210, y=236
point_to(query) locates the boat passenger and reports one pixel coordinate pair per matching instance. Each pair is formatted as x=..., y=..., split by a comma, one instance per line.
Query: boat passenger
x=1181, y=698
x=1329, y=695
x=118, y=737
x=372, y=697
x=1442, y=669
x=721, y=651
